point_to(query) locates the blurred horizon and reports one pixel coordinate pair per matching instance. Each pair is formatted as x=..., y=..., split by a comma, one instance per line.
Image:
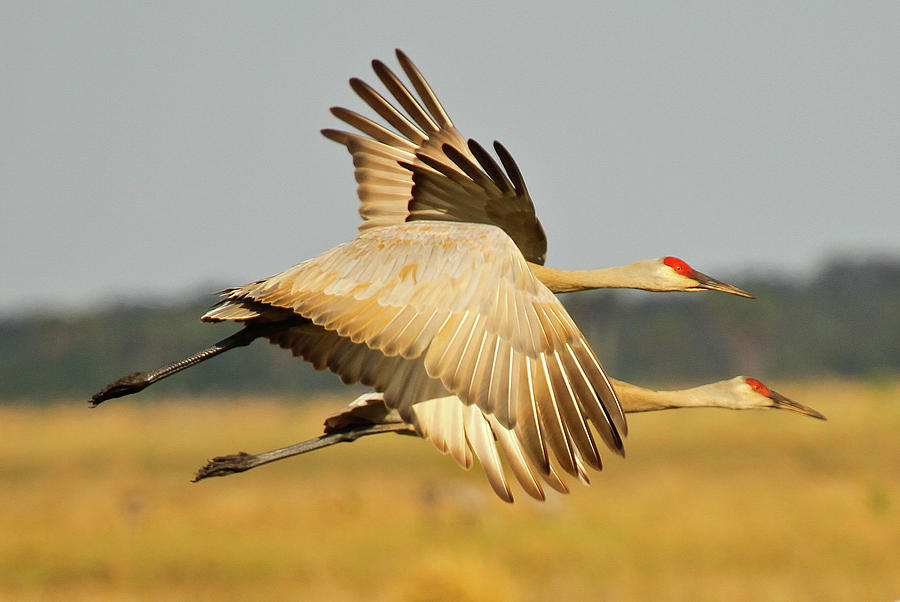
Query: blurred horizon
x=843, y=322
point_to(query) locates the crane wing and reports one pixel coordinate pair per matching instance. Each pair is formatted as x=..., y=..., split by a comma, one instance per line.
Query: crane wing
x=426, y=171
x=454, y=427
x=437, y=418
x=423, y=310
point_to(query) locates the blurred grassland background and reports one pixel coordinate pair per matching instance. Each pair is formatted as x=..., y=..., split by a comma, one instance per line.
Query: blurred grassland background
x=709, y=505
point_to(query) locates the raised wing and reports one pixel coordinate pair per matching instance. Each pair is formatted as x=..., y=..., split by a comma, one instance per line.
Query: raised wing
x=425, y=170
x=427, y=310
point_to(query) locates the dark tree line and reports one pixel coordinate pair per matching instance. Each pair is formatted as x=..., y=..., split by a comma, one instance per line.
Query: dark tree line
x=845, y=321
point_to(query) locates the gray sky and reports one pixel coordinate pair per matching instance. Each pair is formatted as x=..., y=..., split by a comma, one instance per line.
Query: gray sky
x=152, y=149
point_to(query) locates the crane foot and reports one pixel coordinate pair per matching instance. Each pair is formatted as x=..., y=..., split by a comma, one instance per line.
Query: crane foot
x=221, y=466
x=122, y=387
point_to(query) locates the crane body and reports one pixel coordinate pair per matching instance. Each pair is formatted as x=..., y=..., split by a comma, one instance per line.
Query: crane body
x=426, y=171
x=369, y=415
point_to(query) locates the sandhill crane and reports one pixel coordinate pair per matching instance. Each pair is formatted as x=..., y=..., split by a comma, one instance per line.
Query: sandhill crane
x=368, y=415
x=427, y=310
x=450, y=309
x=428, y=172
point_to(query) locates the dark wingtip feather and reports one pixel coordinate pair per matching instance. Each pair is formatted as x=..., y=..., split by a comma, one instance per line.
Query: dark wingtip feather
x=357, y=84
x=336, y=135
x=464, y=163
x=511, y=168
x=620, y=445
x=424, y=89
x=489, y=165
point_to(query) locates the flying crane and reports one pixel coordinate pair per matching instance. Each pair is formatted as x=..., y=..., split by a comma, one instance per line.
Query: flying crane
x=429, y=172
x=368, y=415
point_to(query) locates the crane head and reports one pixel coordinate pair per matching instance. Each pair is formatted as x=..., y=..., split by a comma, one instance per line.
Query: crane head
x=682, y=277
x=751, y=393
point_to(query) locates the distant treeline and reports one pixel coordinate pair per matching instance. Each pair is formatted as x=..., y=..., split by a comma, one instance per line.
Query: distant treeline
x=845, y=321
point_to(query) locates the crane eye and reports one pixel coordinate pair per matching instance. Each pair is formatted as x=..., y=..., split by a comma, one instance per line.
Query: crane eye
x=759, y=387
x=679, y=266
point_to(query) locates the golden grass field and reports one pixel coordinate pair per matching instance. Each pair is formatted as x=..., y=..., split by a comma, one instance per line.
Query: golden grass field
x=709, y=505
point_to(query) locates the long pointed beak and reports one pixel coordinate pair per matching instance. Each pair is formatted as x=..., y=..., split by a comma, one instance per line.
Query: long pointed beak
x=711, y=284
x=781, y=402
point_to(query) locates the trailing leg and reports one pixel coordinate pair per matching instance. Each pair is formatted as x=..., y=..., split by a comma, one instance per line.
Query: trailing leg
x=222, y=466
x=140, y=380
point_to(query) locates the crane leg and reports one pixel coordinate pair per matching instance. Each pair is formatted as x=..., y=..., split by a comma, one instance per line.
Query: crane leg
x=222, y=466
x=141, y=380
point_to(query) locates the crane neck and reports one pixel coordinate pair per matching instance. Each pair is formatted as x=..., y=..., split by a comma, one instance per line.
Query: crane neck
x=639, y=399
x=568, y=281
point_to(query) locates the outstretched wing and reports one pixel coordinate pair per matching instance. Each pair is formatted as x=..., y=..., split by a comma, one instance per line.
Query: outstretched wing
x=424, y=310
x=426, y=171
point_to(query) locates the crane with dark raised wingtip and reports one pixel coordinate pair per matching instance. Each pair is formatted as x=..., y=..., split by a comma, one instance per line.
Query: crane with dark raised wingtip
x=427, y=171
